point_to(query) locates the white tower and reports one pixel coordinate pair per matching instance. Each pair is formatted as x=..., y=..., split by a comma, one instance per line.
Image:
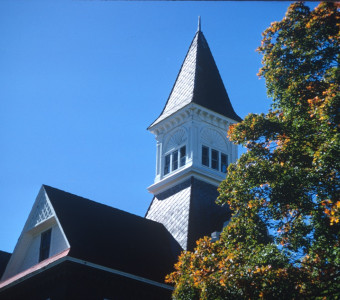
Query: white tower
x=193, y=151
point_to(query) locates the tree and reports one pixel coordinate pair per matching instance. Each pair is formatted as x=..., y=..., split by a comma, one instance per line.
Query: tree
x=283, y=238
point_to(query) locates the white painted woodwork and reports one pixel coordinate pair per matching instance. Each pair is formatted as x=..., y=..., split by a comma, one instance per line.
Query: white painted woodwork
x=26, y=252
x=192, y=126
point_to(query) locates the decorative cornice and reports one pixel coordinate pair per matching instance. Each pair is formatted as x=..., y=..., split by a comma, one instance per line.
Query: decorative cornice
x=203, y=173
x=191, y=111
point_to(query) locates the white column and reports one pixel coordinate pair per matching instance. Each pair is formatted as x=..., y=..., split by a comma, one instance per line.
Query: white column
x=194, y=143
x=158, y=159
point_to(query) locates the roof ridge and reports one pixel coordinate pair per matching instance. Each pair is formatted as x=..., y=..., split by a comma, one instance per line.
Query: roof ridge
x=92, y=201
x=178, y=74
x=199, y=33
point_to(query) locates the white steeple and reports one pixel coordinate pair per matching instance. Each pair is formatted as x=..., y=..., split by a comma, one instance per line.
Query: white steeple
x=191, y=130
x=193, y=151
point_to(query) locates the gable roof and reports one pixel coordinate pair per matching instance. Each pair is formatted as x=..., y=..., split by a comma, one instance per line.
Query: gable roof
x=199, y=81
x=113, y=238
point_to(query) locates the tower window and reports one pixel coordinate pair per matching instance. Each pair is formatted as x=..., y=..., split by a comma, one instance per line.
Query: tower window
x=182, y=156
x=214, y=159
x=167, y=164
x=205, y=156
x=224, y=162
x=174, y=160
x=45, y=243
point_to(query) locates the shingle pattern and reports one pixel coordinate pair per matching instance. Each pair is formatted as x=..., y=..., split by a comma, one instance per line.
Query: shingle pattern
x=183, y=90
x=189, y=211
x=205, y=215
x=171, y=208
x=199, y=81
x=113, y=238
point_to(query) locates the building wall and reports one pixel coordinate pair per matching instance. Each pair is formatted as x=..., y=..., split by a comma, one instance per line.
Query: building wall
x=58, y=244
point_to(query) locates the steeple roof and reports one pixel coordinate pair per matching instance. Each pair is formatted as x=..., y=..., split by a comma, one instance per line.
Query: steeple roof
x=199, y=81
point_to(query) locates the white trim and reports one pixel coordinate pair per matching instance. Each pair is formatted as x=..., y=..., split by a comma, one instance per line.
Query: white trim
x=203, y=173
x=46, y=224
x=175, y=139
x=170, y=153
x=19, y=255
x=220, y=153
x=57, y=219
x=191, y=111
x=214, y=137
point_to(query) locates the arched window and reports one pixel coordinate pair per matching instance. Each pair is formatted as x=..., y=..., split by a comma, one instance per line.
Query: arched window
x=214, y=156
x=175, y=152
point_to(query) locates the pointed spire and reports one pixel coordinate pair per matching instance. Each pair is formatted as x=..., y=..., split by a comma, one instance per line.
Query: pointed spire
x=199, y=81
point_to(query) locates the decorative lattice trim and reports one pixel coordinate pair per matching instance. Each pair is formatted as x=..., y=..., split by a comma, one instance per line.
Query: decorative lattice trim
x=41, y=212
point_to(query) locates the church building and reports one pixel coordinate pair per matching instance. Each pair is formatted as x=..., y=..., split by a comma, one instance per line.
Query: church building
x=75, y=248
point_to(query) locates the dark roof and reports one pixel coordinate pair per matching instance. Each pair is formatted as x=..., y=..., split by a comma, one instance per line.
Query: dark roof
x=205, y=215
x=193, y=213
x=113, y=238
x=199, y=82
x=209, y=89
x=4, y=258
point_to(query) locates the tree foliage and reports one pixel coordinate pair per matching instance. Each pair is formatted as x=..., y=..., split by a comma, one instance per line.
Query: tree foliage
x=283, y=238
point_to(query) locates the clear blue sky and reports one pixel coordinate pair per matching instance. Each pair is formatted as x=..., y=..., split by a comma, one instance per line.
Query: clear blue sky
x=80, y=81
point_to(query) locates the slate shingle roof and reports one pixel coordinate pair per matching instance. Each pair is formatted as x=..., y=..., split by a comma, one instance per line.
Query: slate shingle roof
x=113, y=238
x=171, y=208
x=199, y=82
x=188, y=210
